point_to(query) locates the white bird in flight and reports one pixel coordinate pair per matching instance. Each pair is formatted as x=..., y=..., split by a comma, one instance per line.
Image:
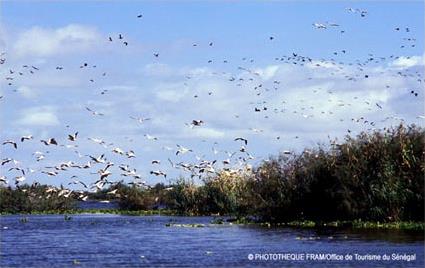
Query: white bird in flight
x=182, y=150
x=141, y=120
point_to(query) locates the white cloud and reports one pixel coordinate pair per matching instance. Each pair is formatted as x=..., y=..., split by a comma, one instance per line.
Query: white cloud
x=157, y=69
x=39, y=41
x=322, y=64
x=26, y=92
x=268, y=72
x=205, y=132
x=408, y=62
x=171, y=92
x=3, y=34
x=38, y=116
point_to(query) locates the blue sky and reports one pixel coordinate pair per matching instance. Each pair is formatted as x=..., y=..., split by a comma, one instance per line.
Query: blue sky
x=306, y=102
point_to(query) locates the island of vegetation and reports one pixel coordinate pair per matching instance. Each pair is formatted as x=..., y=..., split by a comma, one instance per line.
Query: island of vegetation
x=373, y=180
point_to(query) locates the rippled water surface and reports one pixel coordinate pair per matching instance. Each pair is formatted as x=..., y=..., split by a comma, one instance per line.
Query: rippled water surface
x=129, y=241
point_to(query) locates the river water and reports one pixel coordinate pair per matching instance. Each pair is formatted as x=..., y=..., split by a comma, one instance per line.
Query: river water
x=104, y=240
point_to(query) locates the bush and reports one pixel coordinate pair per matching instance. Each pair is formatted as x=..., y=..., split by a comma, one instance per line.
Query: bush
x=32, y=198
x=378, y=176
x=184, y=197
x=135, y=198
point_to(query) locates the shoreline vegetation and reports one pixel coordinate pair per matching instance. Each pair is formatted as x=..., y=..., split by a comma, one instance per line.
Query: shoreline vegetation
x=222, y=220
x=371, y=181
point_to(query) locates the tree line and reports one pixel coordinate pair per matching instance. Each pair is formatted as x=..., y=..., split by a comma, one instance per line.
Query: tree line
x=377, y=176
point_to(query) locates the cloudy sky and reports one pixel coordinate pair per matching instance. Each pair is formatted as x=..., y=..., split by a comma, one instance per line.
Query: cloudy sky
x=284, y=75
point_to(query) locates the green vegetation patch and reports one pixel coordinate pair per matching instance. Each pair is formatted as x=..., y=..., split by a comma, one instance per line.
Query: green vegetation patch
x=375, y=176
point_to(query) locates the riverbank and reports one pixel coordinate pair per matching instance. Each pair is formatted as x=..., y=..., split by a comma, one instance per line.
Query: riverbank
x=164, y=212
x=357, y=224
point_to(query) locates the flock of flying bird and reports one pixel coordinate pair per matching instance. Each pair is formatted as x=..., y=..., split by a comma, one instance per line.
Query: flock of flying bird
x=233, y=162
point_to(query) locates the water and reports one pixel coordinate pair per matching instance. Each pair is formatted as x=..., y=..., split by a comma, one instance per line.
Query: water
x=91, y=204
x=129, y=241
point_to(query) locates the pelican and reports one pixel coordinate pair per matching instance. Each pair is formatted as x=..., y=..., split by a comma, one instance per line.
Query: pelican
x=256, y=130
x=78, y=182
x=5, y=161
x=149, y=137
x=99, y=184
x=196, y=123
x=29, y=137
x=50, y=173
x=19, y=179
x=73, y=137
x=49, y=142
x=86, y=166
x=124, y=168
x=18, y=169
x=130, y=154
x=99, y=159
x=319, y=25
x=65, y=193
x=118, y=151
x=98, y=141
x=112, y=192
x=3, y=179
x=11, y=142
x=159, y=173
x=104, y=172
x=182, y=150
x=94, y=112
x=140, y=119
x=241, y=139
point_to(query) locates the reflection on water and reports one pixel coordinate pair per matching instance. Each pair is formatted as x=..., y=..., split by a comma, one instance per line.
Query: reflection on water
x=113, y=240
